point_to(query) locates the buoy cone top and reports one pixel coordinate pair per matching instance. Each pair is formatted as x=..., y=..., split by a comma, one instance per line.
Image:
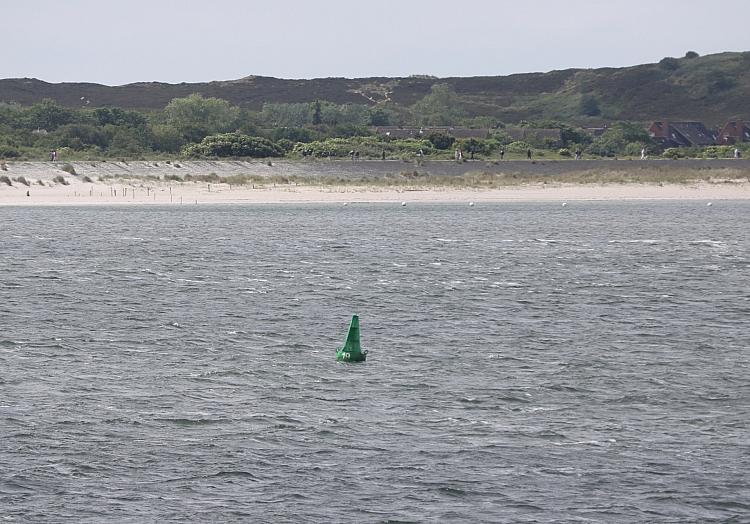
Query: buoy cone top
x=352, y=350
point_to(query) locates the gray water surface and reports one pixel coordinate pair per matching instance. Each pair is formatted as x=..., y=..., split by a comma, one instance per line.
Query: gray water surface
x=528, y=363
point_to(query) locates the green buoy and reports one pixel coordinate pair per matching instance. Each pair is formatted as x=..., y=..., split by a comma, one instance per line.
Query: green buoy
x=351, y=350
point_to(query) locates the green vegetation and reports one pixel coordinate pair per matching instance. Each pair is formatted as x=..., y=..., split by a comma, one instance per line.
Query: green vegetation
x=233, y=145
x=269, y=118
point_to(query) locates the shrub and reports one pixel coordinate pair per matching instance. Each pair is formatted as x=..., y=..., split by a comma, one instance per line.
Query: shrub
x=564, y=152
x=87, y=179
x=691, y=54
x=3, y=166
x=440, y=140
x=5, y=180
x=9, y=152
x=175, y=178
x=23, y=181
x=211, y=177
x=633, y=148
x=40, y=182
x=59, y=179
x=517, y=147
x=285, y=145
x=669, y=64
x=717, y=152
x=476, y=146
x=234, y=145
x=68, y=168
x=673, y=152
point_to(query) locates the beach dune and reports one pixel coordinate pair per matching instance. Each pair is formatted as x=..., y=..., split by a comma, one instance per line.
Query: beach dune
x=141, y=183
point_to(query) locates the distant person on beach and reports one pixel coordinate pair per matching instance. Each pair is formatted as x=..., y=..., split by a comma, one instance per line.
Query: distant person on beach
x=643, y=154
x=736, y=153
x=578, y=154
x=53, y=155
x=528, y=154
x=383, y=154
x=502, y=153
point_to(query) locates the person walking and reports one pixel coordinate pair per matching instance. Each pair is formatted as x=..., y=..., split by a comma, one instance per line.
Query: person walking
x=528, y=154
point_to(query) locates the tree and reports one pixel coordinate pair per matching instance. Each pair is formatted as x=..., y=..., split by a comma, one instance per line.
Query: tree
x=196, y=117
x=440, y=108
x=441, y=140
x=589, y=106
x=295, y=134
x=126, y=141
x=474, y=146
x=344, y=115
x=620, y=138
x=48, y=115
x=380, y=117
x=166, y=138
x=286, y=115
x=118, y=117
x=316, y=120
x=81, y=136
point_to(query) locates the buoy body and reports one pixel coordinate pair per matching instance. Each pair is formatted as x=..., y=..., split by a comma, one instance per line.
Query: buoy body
x=351, y=351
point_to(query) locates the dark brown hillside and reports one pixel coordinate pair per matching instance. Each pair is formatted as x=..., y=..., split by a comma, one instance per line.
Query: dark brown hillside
x=712, y=88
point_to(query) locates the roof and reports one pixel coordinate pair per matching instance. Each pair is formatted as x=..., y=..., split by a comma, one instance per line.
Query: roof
x=419, y=132
x=526, y=133
x=682, y=134
x=695, y=132
x=734, y=130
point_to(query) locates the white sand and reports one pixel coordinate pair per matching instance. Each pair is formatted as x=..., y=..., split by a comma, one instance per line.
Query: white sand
x=80, y=193
x=143, y=182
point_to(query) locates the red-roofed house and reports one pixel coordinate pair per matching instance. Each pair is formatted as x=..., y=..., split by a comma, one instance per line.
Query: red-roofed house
x=734, y=132
x=681, y=134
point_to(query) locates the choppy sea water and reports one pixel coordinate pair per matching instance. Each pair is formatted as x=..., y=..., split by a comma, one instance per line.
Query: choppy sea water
x=528, y=363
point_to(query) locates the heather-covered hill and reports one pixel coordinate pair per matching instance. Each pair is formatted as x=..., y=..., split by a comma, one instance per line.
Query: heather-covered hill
x=711, y=88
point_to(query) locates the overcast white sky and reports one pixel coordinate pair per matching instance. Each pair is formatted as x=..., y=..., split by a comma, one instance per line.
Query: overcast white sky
x=175, y=41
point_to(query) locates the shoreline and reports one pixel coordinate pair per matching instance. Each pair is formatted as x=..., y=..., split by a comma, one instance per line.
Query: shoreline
x=161, y=193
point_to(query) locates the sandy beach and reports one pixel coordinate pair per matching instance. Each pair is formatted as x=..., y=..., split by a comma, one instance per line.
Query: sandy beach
x=201, y=193
x=144, y=183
